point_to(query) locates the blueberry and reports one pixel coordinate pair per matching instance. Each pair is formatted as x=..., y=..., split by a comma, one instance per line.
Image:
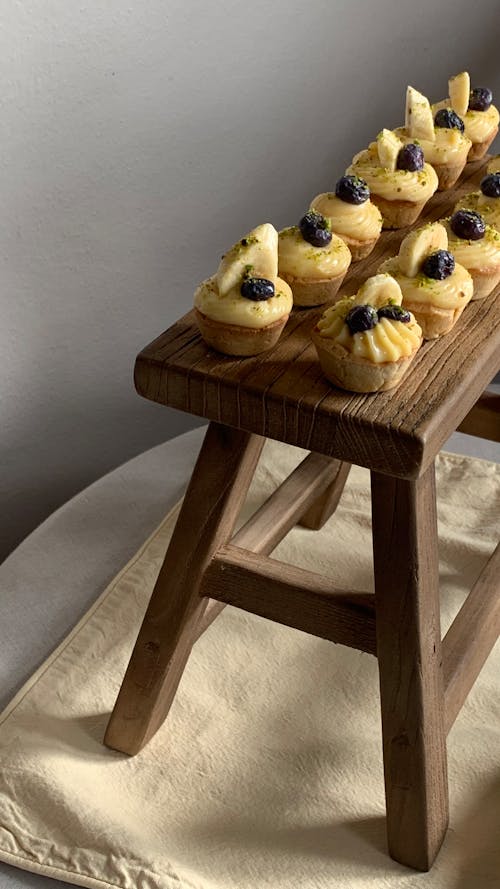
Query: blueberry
x=449, y=119
x=468, y=224
x=361, y=318
x=480, y=98
x=395, y=313
x=352, y=190
x=257, y=289
x=410, y=157
x=315, y=229
x=439, y=265
x=490, y=185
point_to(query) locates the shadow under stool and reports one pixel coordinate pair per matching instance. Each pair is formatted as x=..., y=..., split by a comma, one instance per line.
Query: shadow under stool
x=397, y=435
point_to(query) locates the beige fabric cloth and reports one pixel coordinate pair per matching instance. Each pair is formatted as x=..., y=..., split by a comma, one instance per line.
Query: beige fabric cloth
x=268, y=771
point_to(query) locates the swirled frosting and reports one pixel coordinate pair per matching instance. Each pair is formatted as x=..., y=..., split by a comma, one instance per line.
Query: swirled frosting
x=235, y=309
x=362, y=222
x=488, y=208
x=479, y=125
x=393, y=185
x=450, y=293
x=481, y=254
x=388, y=341
x=299, y=259
x=447, y=147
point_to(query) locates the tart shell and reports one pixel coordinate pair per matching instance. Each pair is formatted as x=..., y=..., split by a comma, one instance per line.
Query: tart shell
x=398, y=214
x=358, y=374
x=434, y=320
x=485, y=280
x=479, y=149
x=308, y=292
x=359, y=249
x=233, y=339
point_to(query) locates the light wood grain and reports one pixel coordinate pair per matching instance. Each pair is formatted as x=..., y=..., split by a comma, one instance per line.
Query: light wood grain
x=325, y=505
x=409, y=658
x=211, y=505
x=267, y=527
x=484, y=418
x=283, y=394
x=291, y=596
x=471, y=637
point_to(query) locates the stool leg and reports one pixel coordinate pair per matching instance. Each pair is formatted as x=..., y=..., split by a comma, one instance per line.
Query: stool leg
x=409, y=656
x=215, y=494
x=327, y=503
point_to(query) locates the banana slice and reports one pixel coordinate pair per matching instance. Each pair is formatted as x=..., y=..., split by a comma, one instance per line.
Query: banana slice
x=418, y=244
x=388, y=148
x=378, y=291
x=258, y=249
x=419, y=122
x=459, y=92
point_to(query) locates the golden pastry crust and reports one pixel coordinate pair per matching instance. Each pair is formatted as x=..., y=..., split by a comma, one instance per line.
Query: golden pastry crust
x=359, y=249
x=448, y=174
x=232, y=339
x=308, y=293
x=398, y=214
x=485, y=280
x=356, y=374
x=479, y=149
x=434, y=320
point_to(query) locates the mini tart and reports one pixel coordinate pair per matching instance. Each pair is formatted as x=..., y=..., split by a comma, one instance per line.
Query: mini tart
x=373, y=360
x=481, y=127
x=254, y=327
x=359, y=225
x=446, y=153
x=400, y=195
x=437, y=305
x=487, y=207
x=313, y=273
x=235, y=324
x=481, y=258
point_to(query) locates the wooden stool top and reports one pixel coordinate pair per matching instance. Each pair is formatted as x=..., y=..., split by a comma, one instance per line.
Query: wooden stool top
x=283, y=394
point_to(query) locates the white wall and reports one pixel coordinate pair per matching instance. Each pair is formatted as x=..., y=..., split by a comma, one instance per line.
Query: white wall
x=140, y=140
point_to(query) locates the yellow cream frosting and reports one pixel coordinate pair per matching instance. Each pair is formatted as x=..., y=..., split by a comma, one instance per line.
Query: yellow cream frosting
x=236, y=309
x=494, y=164
x=388, y=341
x=479, y=125
x=395, y=185
x=481, y=254
x=448, y=146
x=451, y=292
x=299, y=259
x=488, y=208
x=362, y=222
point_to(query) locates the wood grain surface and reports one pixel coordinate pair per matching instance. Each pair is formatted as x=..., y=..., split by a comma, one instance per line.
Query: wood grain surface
x=219, y=484
x=406, y=568
x=291, y=596
x=282, y=394
x=471, y=637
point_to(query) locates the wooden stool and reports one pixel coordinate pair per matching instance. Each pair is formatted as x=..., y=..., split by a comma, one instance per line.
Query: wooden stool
x=282, y=394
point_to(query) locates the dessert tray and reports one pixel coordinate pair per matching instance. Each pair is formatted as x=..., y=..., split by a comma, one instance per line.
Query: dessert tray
x=283, y=393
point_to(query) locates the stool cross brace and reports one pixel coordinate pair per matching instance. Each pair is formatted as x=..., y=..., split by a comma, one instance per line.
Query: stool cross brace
x=423, y=680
